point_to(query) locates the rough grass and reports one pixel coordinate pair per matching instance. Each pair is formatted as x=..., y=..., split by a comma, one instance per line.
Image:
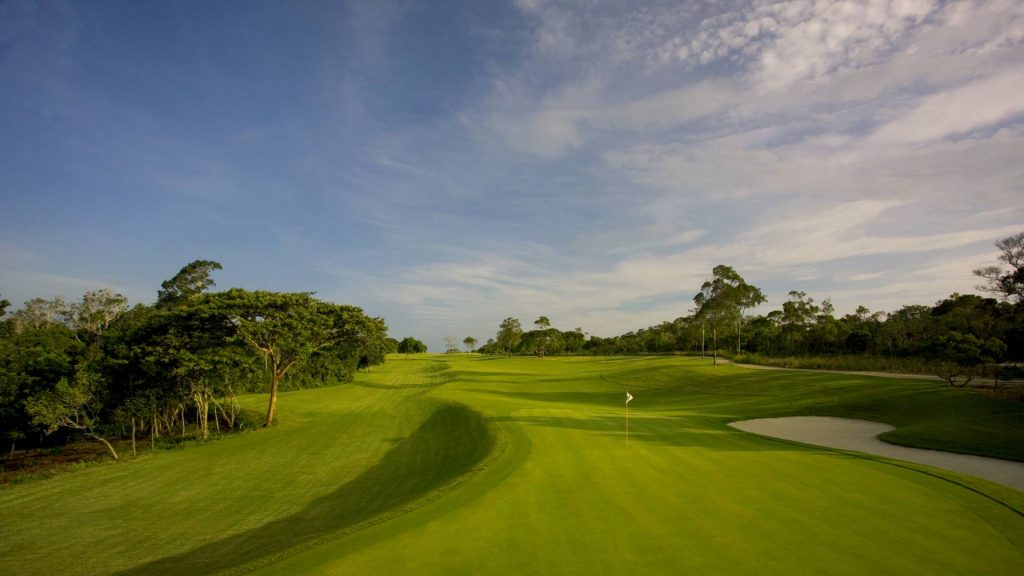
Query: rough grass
x=475, y=465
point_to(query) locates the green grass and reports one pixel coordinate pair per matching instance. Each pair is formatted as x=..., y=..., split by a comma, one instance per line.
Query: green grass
x=475, y=465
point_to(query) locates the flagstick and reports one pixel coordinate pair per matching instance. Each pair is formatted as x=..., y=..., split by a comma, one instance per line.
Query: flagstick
x=627, y=423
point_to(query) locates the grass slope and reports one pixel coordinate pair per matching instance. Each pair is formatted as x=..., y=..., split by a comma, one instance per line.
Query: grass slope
x=338, y=458
x=561, y=492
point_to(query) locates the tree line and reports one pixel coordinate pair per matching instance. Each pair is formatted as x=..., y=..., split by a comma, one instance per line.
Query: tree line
x=542, y=340
x=953, y=338
x=97, y=367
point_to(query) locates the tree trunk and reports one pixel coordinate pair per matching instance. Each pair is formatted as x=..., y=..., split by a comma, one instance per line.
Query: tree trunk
x=183, y=421
x=152, y=434
x=701, y=340
x=273, y=400
x=738, y=333
x=133, y=437
x=202, y=412
x=105, y=443
x=714, y=344
x=277, y=373
x=229, y=418
x=206, y=418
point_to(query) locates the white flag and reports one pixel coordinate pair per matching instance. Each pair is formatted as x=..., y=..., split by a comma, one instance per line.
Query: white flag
x=628, y=397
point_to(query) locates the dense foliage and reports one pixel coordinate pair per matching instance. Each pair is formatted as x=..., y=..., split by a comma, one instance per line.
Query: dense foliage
x=96, y=367
x=410, y=345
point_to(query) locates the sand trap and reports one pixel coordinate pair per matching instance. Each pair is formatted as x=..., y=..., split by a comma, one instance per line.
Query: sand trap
x=861, y=436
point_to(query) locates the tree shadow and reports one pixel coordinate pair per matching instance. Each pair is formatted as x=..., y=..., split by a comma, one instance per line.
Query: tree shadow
x=447, y=445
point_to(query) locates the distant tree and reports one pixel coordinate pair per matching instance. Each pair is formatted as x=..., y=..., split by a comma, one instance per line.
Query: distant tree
x=72, y=405
x=510, y=333
x=798, y=317
x=1008, y=283
x=744, y=297
x=470, y=343
x=410, y=345
x=450, y=345
x=192, y=280
x=4, y=304
x=956, y=356
x=39, y=312
x=489, y=347
x=376, y=344
x=95, y=312
x=541, y=342
x=574, y=340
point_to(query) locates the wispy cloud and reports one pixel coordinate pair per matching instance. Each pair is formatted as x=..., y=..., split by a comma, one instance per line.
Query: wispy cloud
x=977, y=105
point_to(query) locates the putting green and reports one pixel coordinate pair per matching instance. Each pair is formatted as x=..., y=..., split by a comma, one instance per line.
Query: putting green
x=473, y=465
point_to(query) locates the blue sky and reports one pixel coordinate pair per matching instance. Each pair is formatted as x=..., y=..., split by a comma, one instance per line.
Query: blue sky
x=448, y=164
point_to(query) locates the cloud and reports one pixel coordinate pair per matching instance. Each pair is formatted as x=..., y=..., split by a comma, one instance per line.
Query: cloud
x=669, y=108
x=980, y=104
x=811, y=41
x=782, y=43
x=686, y=237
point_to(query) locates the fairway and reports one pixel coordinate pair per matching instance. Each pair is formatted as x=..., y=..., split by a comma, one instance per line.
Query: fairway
x=480, y=465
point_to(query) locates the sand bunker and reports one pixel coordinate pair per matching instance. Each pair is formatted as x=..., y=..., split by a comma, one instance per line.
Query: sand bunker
x=861, y=436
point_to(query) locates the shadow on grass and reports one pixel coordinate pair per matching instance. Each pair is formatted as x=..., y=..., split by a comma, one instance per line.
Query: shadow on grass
x=447, y=445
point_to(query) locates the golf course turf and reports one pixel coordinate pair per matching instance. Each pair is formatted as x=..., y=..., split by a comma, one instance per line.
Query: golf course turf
x=482, y=465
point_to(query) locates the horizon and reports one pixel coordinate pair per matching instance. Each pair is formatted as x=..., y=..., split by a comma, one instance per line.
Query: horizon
x=447, y=166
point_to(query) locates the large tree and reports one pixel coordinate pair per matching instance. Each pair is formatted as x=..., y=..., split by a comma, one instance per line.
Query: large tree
x=195, y=348
x=724, y=298
x=71, y=404
x=1008, y=283
x=288, y=328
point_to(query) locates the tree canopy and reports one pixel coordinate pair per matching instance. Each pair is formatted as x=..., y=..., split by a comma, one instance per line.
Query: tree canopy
x=94, y=366
x=410, y=345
